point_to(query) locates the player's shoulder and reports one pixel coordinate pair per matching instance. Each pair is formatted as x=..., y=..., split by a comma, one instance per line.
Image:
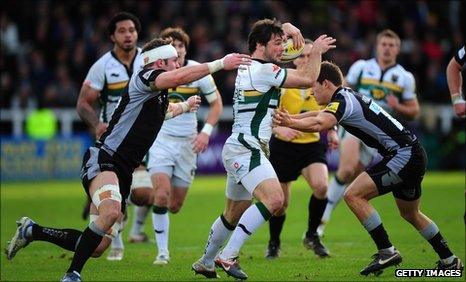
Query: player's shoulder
x=105, y=58
x=363, y=63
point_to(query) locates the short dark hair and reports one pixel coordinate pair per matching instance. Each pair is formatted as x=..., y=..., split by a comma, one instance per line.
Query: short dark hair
x=330, y=72
x=156, y=42
x=176, y=33
x=122, y=16
x=262, y=31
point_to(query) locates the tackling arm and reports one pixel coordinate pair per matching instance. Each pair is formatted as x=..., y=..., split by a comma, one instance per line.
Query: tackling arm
x=317, y=123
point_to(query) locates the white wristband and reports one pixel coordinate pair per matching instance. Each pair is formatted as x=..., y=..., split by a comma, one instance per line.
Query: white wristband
x=215, y=65
x=457, y=98
x=184, y=106
x=207, y=129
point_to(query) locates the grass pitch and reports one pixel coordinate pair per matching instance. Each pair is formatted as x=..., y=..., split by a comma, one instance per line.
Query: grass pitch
x=59, y=204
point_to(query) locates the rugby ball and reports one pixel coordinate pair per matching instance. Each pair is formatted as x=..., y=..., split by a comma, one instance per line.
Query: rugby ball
x=290, y=53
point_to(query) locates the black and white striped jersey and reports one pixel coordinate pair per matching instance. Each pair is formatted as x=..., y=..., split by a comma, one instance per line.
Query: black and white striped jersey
x=136, y=120
x=362, y=117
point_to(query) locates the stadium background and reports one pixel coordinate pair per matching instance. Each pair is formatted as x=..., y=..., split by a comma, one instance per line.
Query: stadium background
x=48, y=47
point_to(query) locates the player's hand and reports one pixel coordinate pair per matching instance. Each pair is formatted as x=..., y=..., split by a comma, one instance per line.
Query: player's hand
x=295, y=34
x=281, y=117
x=332, y=139
x=460, y=109
x=234, y=60
x=323, y=43
x=286, y=133
x=194, y=102
x=200, y=143
x=392, y=101
x=100, y=129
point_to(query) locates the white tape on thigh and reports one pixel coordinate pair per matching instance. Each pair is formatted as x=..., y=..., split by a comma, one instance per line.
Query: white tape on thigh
x=141, y=179
x=113, y=232
x=106, y=192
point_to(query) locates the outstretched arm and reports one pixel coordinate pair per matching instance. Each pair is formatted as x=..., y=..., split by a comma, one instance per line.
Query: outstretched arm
x=317, y=123
x=184, y=75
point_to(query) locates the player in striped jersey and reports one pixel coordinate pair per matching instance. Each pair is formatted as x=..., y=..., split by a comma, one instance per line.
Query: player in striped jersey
x=400, y=171
x=104, y=84
x=245, y=153
x=172, y=157
x=294, y=153
x=392, y=87
x=108, y=164
x=456, y=74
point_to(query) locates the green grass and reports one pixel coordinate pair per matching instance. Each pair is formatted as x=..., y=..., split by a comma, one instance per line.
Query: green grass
x=59, y=204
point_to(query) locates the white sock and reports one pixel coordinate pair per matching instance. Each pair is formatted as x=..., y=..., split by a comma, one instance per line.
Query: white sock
x=334, y=195
x=217, y=237
x=249, y=222
x=117, y=242
x=140, y=214
x=390, y=250
x=449, y=259
x=161, y=224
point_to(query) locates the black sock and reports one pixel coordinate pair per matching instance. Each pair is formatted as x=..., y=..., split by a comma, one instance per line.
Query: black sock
x=86, y=246
x=316, y=209
x=65, y=238
x=380, y=237
x=440, y=246
x=275, y=228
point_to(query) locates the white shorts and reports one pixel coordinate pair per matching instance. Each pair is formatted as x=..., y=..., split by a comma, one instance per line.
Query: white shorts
x=175, y=157
x=366, y=153
x=246, y=169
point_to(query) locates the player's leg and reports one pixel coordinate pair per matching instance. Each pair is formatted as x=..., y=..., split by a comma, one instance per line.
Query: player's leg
x=407, y=197
x=269, y=194
x=142, y=196
x=349, y=166
x=357, y=197
x=105, y=193
x=160, y=220
x=409, y=210
x=316, y=175
x=222, y=228
x=276, y=225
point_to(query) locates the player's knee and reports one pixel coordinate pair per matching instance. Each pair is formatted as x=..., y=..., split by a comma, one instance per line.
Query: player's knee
x=346, y=173
x=409, y=216
x=275, y=203
x=349, y=196
x=142, y=197
x=174, y=207
x=111, y=211
x=320, y=189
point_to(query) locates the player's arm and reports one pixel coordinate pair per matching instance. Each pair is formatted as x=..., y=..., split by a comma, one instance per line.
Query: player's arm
x=454, y=80
x=409, y=109
x=85, y=106
x=306, y=76
x=186, y=74
x=322, y=121
x=201, y=141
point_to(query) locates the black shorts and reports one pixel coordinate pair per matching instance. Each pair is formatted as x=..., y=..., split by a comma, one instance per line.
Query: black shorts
x=406, y=184
x=96, y=160
x=288, y=159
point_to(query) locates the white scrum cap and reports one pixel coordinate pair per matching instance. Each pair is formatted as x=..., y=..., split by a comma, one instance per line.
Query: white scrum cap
x=161, y=52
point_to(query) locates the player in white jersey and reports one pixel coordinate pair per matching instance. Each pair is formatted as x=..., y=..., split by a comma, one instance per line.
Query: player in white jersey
x=104, y=84
x=393, y=88
x=172, y=157
x=249, y=172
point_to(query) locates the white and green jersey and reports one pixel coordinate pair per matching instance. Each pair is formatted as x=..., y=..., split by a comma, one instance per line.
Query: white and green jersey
x=366, y=77
x=110, y=76
x=186, y=124
x=257, y=92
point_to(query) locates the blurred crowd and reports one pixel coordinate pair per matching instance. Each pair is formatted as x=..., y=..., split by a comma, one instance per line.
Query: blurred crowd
x=47, y=47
